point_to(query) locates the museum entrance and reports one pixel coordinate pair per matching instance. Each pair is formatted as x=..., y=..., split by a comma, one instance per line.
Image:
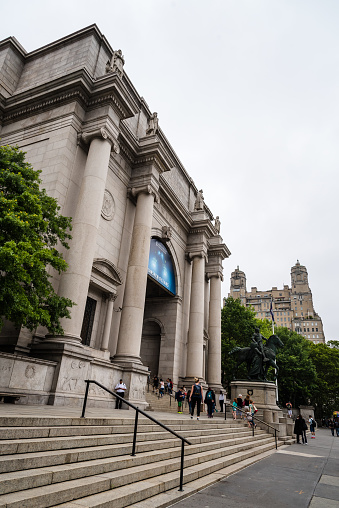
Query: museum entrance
x=150, y=346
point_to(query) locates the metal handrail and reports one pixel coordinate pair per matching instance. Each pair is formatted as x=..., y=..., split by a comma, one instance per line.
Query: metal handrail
x=258, y=419
x=137, y=411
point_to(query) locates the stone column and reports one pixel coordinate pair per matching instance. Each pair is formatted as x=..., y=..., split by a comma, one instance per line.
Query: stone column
x=74, y=283
x=108, y=322
x=129, y=341
x=196, y=323
x=214, y=333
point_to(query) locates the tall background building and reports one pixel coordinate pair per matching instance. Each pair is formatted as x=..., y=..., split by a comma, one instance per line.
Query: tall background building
x=292, y=306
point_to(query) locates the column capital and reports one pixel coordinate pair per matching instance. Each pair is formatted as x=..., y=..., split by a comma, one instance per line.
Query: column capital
x=111, y=297
x=101, y=133
x=144, y=189
x=218, y=275
x=196, y=254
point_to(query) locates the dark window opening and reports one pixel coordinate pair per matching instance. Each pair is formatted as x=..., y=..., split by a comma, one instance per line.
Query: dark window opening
x=87, y=324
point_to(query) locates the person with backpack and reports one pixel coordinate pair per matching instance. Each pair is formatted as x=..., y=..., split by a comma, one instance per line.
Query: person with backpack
x=289, y=409
x=210, y=402
x=313, y=424
x=180, y=397
x=196, y=396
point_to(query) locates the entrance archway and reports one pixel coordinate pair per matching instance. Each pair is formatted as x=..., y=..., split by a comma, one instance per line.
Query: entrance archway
x=150, y=346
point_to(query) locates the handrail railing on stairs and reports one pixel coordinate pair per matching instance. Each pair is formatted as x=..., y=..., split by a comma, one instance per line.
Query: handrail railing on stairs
x=258, y=420
x=137, y=411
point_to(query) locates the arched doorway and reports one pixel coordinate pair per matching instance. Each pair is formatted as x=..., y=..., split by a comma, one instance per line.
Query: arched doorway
x=150, y=346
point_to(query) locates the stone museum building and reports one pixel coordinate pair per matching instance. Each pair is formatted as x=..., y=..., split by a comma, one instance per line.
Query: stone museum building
x=145, y=259
x=292, y=306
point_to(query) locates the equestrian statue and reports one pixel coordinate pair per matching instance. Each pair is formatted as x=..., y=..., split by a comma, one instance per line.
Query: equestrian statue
x=258, y=356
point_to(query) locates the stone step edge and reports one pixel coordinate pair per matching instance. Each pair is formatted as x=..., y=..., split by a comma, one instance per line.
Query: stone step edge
x=122, y=497
x=171, y=497
x=87, y=437
x=142, y=457
x=121, y=477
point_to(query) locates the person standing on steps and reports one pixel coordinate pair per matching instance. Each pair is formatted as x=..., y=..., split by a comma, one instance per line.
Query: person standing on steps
x=196, y=397
x=209, y=401
x=221, y=401
x=289, y=409
x=120, y=390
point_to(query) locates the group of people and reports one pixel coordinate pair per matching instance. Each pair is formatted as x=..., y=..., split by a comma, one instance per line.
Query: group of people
x=161, y=387
x=195, y=397
x=300, y=428
x=245, y=409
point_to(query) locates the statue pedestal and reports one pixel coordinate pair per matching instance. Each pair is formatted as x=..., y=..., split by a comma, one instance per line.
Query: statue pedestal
x=264, y=396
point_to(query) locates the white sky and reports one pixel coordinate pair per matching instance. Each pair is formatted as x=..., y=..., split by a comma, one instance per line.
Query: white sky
x=247, y=94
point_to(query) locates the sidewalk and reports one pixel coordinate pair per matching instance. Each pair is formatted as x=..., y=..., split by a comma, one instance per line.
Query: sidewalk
x=295, y=476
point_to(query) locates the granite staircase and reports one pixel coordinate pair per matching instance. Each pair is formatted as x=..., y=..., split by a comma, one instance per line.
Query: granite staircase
x=87, y=462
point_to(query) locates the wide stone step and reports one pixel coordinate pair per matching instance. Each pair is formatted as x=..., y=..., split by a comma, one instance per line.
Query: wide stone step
x=196, y=464
x=30, y=478
x=127, y=495
x=21, y=461
x=62, y=443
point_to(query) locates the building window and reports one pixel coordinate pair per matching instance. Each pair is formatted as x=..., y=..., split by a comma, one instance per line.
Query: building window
x=316, y=329
x=308, y=329
x=87, y=324
x=312, y=329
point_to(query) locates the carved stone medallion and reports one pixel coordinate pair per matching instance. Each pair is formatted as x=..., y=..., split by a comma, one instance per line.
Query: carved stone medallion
x=108, y=206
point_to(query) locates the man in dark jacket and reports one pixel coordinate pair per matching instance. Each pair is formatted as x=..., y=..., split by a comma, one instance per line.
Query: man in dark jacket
x=300, y=428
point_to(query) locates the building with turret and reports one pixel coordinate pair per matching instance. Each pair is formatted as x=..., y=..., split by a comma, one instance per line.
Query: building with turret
x=292, y=306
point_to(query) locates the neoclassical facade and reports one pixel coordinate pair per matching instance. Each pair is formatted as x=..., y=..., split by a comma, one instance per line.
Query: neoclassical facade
x=145, y=259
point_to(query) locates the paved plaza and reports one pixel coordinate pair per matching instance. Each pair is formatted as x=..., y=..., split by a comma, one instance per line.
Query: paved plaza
x=298, y=476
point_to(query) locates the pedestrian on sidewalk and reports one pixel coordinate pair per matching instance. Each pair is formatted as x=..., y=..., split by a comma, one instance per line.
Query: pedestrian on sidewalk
x=196, y=397
x=300, y=428
x=312, y=426
x=210, y=401
x=336, y=426
x=221, y=401
x=331, y=426
x=120, y=389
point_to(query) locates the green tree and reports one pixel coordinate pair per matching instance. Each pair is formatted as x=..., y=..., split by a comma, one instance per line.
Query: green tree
x=325, y=395
x=297, y=374
x=237, y=327
x=30, y=229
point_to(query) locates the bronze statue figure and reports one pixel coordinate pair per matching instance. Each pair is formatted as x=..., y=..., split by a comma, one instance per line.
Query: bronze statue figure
x=259, y=357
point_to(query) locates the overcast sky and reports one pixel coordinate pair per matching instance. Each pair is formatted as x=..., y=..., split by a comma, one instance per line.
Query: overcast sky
x=247, y=94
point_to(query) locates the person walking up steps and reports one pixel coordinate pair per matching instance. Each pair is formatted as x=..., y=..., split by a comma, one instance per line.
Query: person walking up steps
x=196, y=397
x=210, y=401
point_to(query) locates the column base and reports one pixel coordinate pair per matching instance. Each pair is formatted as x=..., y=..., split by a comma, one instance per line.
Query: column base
x=125, y=359
x=68, y=338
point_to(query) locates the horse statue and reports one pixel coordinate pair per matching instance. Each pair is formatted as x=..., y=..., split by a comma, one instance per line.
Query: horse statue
x=257, y=363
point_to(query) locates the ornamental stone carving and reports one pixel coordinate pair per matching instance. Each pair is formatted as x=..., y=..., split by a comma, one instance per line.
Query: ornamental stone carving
x=116, y=64
x=153, y=124
x=108, y=206
x=217, y=224
x=199, y=201
x=166, y=233
x=30, y=371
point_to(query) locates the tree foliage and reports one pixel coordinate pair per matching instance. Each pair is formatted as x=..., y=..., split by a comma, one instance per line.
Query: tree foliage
x=325, y=396
x=30, y=229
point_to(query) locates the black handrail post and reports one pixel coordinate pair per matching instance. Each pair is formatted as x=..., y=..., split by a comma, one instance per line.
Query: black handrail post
x=135, y=433
x=275, y=437
x=85, y=399
x=182, y=465
x=253, y=427
x=225, y=410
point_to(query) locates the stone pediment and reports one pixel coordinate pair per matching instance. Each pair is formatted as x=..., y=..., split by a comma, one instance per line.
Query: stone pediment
x=105, y=275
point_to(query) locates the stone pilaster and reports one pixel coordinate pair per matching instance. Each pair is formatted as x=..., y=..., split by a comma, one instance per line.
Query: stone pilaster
x=196, y=320
x=108, y=322
x=74, y=283
x=129, y=341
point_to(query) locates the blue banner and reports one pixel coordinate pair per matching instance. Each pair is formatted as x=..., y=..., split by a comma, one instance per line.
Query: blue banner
x=160, y=267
